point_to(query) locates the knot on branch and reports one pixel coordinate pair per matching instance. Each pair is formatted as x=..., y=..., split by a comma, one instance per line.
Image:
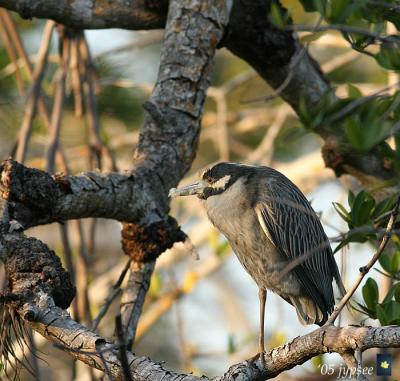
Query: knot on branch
x=146, y=243
x=31, y=193
x=332, y=158
x=31, y=267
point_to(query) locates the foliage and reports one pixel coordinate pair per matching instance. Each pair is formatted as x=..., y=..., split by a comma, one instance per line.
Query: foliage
x=366, y=220
x=362, y=124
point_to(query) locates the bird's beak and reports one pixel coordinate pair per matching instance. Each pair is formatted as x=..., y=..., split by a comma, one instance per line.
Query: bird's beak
x=188, y=190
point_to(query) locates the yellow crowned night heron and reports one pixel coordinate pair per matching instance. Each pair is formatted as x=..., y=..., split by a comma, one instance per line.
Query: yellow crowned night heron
x=269, y=222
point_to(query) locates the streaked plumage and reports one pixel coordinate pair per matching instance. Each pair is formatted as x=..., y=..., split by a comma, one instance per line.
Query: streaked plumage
x=268, y=222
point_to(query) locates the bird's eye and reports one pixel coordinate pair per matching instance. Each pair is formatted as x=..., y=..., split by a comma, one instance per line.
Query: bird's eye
x=209, y=180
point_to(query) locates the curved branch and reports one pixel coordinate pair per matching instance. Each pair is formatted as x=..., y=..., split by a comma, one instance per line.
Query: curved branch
x=56, y=325
x=167, y=143
x=273, y=54
x=40, y=290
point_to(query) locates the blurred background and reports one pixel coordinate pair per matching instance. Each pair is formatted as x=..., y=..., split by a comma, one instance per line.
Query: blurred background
x=200, y=315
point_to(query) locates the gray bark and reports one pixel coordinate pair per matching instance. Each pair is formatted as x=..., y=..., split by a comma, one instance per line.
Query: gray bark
x=92, y=14
x=271, y=52
x=39, y=289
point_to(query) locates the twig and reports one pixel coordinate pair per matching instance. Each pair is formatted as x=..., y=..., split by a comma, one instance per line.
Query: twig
x=25, y=60
x=56, y=118
x=133, y=297
x=106, y=367
x=75, y=74
x=82, y=278
x=340, y=28
x=221, y=139
x=34, y=92
x=10, y=51
x=265, y=150
x=91, y=107
x=122, y=348
x=115, y=290
x=350, y=107
x=12, y=29
x=364, y=270
x=69, y=263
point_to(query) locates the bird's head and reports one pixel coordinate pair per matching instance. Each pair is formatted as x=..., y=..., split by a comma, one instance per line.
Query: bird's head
x=213, y=181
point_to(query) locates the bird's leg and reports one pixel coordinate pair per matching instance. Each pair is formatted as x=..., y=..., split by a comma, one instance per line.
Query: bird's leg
x=262, y=294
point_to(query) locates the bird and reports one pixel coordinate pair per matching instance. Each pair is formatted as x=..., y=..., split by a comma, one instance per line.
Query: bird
x=269, y=224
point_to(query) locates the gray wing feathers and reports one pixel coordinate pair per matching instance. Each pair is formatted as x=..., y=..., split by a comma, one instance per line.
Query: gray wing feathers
x=295, y=230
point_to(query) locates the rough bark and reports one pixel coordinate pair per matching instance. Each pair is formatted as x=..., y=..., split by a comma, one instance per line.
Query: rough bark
x=166, y=149
x=94, y=14
x=33, y=290
x=167, y=143
x=37, y=198
x=274, y=53
x=250, y=36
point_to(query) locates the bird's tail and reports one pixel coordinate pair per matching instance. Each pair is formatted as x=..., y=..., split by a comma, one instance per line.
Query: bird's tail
x=308, y=311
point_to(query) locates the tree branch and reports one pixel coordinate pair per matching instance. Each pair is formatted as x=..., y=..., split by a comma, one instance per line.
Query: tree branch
x=40, y=289
x=92, y=14
x=268, y=50
x=271, y=52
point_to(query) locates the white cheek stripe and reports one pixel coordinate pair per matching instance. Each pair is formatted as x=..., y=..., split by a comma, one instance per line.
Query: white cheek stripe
x=220, y=184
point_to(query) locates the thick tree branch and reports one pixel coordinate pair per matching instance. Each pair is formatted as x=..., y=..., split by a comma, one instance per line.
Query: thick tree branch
x=167, y=145
x=274, y=54
x=39, y=290
x=92, y=14
x=33, y=291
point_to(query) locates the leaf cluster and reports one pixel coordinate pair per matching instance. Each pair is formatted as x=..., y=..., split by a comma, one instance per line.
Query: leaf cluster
x=368, y=15
x=365, y=219
x=387, y=312
x=363, y=122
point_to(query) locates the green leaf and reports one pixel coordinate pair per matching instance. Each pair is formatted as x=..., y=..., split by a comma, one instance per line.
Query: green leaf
x=341, y=210
x=389, y=54
x=276, y=17
x=392, y=311
x=354, y=133
x=381, y=315
x=383, y=207
x=397, y=293
x=395, y=263
x=367, y=311
x=385, y=262
x=350, y=199
x=395, y=289
x=370, y=293
x=362, y=208
x=353, y=92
